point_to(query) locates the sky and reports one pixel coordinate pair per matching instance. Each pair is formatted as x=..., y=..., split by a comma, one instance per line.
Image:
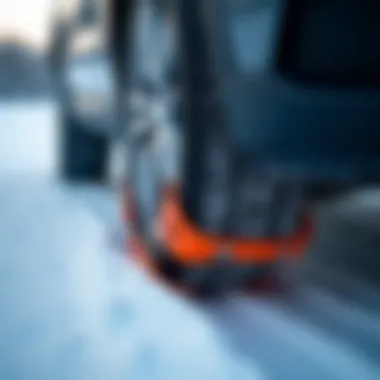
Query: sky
x=27, y=20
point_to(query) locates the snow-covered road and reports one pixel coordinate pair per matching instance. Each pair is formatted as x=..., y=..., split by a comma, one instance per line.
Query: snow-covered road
x=72, y=306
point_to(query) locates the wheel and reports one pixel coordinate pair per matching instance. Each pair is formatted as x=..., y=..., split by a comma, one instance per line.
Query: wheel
x=84, y=153
x=85, y=91
x=156, y=130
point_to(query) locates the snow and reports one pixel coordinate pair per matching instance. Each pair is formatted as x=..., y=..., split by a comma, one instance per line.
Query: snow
x=72, y=306
x=27, y=140
x=306, y=349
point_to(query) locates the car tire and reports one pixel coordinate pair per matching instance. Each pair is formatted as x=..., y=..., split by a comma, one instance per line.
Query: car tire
x=84, y=152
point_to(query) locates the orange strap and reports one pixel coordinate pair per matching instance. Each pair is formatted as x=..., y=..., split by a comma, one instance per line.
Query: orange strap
x=190, y=245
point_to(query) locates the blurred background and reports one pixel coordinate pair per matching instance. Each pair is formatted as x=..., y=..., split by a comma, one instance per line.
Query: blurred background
x=24, y=38
x=112, y=314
